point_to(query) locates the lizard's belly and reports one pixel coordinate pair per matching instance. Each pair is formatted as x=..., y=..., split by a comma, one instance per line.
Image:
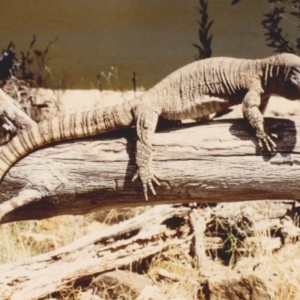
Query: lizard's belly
x=195, y=108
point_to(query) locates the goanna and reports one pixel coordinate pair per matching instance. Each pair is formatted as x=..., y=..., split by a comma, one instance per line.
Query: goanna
x=194, y=91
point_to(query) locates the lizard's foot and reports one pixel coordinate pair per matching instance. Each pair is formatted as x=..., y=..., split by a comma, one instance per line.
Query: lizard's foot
x=147, y=176
x=265, y=139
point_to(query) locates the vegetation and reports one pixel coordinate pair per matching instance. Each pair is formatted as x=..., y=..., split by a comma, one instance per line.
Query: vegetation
x=31, y=67
x=275, y=38
x=253, y=241
x=204, y=49
x=25, y=239
x=272, y=24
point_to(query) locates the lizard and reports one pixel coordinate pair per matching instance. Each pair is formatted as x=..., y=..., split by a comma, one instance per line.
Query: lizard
x=194, y=91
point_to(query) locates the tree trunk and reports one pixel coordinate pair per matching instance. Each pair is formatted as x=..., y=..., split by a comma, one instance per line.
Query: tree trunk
x=214, y=162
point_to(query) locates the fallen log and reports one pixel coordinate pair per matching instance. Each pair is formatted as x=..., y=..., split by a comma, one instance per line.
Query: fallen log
x=214, y=162
x=192, y=231
x=117, y=246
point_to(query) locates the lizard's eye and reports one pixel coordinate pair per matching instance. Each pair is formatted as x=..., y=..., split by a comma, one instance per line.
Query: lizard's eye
x=295, y=76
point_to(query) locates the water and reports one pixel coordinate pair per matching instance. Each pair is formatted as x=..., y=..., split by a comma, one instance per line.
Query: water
x=152, y=38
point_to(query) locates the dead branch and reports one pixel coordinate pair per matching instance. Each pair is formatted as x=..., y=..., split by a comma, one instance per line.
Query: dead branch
x=152, y=233
x=215, y=162
x=114, y=247
x=12, y=112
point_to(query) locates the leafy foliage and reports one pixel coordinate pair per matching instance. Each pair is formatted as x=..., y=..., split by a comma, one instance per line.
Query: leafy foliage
x=235, y=2
x=204, y=50
x=8, y=63
x=33, y=64
x=274, y=32
x=29, y=67
x=275, y=38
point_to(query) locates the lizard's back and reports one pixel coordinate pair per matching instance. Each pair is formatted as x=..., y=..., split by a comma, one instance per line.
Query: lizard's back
x=204, y=87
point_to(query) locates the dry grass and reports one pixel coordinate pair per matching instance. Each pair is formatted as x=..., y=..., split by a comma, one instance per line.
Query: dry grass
x=29, y=238
x=174, y=270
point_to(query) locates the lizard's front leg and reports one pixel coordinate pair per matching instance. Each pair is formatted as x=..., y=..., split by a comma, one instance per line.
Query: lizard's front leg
x=145, y=127
x=251, y=104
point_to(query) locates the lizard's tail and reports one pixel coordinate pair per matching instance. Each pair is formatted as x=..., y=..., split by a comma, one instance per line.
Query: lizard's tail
x=63, y=128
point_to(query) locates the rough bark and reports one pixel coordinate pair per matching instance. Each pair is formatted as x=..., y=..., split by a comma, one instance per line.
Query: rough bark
x=215, y=162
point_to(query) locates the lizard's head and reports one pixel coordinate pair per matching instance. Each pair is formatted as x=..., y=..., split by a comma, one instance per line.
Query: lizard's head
x=290, y=66
x=294, y=76
x=292, y=83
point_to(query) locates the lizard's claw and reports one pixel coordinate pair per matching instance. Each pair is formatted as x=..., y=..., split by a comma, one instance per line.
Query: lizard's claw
x=266, y=140
x=146, y=176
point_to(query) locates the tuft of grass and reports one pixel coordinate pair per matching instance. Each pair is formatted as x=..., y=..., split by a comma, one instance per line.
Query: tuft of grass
x=29, y=238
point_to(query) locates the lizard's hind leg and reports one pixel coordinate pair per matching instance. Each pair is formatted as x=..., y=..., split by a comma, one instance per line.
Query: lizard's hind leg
x=145, y=127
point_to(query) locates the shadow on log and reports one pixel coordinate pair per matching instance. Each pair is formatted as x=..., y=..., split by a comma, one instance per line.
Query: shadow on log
x=212, y=162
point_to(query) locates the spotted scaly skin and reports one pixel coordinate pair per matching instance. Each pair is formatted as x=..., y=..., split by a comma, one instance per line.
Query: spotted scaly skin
x=194, y=91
